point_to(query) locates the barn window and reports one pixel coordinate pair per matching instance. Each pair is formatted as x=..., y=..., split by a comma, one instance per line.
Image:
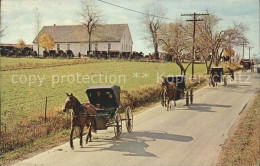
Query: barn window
x=58, y=47
x=68, y=46
x=96, y=47
x=109, y=46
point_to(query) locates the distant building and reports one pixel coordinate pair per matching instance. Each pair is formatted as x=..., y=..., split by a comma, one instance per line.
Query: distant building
x=106, y=37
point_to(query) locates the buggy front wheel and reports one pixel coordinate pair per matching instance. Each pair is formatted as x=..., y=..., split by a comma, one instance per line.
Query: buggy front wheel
x=118, y=126
x=129, y=119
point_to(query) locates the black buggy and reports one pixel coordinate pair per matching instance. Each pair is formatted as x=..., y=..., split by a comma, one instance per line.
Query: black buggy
x=182, y=91
x=108, y=114
x=216, y=74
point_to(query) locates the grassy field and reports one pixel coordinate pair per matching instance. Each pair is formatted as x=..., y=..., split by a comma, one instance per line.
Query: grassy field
x=19, y=99
x=16, y=61
x=24, y=101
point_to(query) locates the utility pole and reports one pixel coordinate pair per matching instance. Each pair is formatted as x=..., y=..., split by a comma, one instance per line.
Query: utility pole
x=194, y=20
x=244, y=44
x=249, y=50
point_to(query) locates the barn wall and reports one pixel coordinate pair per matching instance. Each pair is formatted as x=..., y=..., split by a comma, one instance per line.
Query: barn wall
x=126, y=41
x=82, y=47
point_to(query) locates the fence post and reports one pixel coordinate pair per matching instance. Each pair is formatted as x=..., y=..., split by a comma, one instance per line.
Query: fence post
x=5, y=120
x=45, y=115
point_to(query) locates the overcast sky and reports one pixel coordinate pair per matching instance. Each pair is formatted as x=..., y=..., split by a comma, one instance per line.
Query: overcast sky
x=18, y=16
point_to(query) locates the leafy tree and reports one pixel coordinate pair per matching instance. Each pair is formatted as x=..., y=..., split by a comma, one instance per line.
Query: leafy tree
x=46, y=41
x=21, y=44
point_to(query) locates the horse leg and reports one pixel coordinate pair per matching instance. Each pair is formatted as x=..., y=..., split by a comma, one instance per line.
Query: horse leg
x=89, y=135
x=81, y=135
x=71, y=138
x=174, y=99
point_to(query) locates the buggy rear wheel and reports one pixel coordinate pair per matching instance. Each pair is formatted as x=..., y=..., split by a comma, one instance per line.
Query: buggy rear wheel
x=118, y=126
x=187, y=98
x=191, y=96
x=129, y=121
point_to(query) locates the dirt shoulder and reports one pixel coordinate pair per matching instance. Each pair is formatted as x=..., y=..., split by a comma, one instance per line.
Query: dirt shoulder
x=242, y=146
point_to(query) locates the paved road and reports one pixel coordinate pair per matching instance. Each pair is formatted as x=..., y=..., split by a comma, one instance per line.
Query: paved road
x=182, y=136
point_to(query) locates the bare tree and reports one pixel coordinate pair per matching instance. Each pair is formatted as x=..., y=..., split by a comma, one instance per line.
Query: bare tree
x=211, y=42
x=152, y=21
x=234, y=36
x=176, y=42
x=91, y=17
x=2, y=29
x=37, y=19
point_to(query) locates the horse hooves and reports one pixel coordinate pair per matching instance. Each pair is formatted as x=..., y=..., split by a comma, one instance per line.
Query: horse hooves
x=72, y=148
x=86, y=142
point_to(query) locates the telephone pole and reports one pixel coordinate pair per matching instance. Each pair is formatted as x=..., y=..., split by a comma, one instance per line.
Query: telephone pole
x=244, y=44
x=249, y=47
x=194, y=20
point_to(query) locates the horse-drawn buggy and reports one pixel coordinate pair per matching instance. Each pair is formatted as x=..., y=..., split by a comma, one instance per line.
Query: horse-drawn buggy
x=102, y=112
x=174, y=88
x=107, y=99
x=216, y=74
x=247, y=64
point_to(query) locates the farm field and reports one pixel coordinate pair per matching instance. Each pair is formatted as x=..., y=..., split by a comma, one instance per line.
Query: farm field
x=20, y=98
x=16, y=61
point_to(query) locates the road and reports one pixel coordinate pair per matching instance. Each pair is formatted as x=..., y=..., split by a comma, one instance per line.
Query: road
x=181, y=136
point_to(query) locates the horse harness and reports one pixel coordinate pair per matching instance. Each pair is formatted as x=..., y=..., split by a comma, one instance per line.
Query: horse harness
x=81, y=112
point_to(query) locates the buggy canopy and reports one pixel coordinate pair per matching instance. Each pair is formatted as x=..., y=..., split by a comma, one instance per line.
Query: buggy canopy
x=104, y=90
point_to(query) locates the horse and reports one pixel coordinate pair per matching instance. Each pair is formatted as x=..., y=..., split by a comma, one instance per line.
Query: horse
x=169, y=92
x=80, y=116
x=245, y=65
x=151, y=56
x=231, y=73
x=214, y=78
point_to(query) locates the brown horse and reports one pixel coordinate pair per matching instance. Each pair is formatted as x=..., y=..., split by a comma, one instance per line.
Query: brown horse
x=169, y=93
x=80, y=116
x=245, y=65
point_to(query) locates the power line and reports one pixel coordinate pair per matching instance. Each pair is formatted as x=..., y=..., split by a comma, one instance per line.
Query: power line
x=165, y=18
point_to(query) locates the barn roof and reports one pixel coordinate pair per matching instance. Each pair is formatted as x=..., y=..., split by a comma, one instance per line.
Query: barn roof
x=78, y=33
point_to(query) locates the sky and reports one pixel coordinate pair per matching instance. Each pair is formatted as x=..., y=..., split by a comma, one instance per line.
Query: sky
x=18, y=17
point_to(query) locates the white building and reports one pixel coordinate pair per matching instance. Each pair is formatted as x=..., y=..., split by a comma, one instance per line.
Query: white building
x=113, y=37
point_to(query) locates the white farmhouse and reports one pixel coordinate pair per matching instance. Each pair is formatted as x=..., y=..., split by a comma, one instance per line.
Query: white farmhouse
x=106, y=37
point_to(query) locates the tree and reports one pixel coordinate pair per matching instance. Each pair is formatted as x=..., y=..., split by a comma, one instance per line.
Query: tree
x=21, y=44
x=37, y=18
x=46, y=41
x=176, y=42
x=212, y=42
x=91, y=17
x=209, y=40
x=152, y=21
x=234, y=36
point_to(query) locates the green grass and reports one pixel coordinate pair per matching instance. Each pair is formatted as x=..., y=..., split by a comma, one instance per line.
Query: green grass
x=21, y=100
x=16, y=61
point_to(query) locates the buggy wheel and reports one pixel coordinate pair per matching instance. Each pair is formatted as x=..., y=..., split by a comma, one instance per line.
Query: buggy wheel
x=187, y=98
x=191, y=96
x=129, y=121
x=118, y=126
